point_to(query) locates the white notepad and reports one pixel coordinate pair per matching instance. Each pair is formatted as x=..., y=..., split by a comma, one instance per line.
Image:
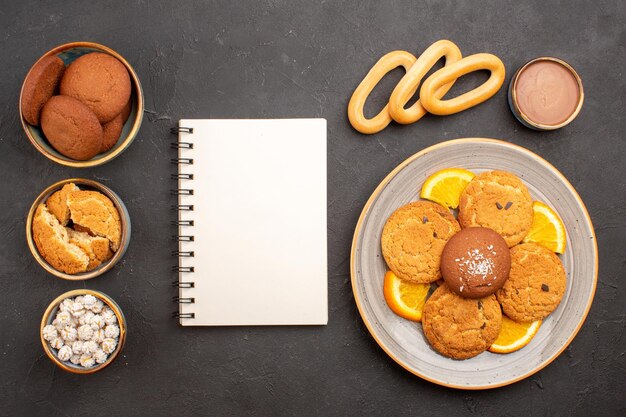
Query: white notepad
x=255, y=208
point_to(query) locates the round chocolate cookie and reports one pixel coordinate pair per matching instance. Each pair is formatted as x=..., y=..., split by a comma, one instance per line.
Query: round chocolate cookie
x=500, y=201
x=536, y=283
x=41, y=83
x=100, y=81
x=460, y=328
x=111, y=132
x=413, y=239
x=71, y=128
x=475, y=262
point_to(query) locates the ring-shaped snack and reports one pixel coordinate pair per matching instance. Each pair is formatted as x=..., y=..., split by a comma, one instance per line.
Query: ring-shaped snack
x=434, y=105
x=410, y=82
x=384, y=65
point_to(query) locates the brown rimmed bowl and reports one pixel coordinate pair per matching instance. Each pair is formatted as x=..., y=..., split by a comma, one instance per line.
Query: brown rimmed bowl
x=48, y=317
x=68, y=53
x=84, y=184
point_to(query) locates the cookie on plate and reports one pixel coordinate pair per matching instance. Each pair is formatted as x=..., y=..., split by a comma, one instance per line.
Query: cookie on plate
x=475, y=262
x=100, y=81
x=460, y=328
x=500, y=201
x=96, y=212
x=41, y=83
x=414, y=237
x=536, y=283
x=71, y=128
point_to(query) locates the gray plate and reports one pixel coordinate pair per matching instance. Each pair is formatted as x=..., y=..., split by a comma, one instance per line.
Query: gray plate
x=403, y=340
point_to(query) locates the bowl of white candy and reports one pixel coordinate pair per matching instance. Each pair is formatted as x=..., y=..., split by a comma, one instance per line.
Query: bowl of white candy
x=83, y=331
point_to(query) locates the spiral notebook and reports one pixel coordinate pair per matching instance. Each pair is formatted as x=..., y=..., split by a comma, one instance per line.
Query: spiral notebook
x=251, y=222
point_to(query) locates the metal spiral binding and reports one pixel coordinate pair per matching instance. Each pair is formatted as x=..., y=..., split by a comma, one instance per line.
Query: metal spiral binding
x=182, y=223
x=181, y=145
x=184, y=300
x=177, y=130
x=181, y=176
x=181, y=191
x=183, y=284
x=179, y=315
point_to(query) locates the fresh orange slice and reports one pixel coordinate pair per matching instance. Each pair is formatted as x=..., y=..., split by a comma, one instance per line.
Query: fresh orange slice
x=445, y=186
x=514, y=336
x=547, y=229
x=405, y=298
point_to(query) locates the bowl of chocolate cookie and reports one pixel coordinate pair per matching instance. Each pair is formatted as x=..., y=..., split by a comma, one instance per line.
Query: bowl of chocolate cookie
x=78, y=229
x=81, y=104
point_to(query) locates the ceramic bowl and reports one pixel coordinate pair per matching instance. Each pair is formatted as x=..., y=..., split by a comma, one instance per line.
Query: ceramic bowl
x=50, y=313
x=84, y=184
x=68, y=53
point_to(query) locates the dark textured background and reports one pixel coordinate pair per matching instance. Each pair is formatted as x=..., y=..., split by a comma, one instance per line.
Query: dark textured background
x=301, y=59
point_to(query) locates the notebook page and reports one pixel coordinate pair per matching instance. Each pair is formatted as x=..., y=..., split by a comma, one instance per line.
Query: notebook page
x=259, y=197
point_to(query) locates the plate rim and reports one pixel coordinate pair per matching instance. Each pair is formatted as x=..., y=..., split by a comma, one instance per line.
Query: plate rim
x=388, y=179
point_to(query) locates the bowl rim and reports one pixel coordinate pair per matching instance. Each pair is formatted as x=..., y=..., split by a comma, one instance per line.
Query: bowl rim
x=127, y=140
x=121, y=320
x=124, y=218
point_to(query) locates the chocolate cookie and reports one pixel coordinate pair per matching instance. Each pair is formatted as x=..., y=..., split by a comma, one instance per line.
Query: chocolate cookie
x=500, y=201
x=413, y=239
x=475, y=262
x=71, y=128
x=111, y=132
x=41, y=83
x=460, y=328
x=100, y=81
x=536, y=283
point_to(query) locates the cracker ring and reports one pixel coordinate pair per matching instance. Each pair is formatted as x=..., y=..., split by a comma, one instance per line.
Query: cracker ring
x=471, y=63
x=384, y=65
x=410, y=82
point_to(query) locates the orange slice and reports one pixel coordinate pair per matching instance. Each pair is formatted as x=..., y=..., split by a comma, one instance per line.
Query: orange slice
x=445, y=186
x=405, y=298
x=514, y=336
x=547, y=229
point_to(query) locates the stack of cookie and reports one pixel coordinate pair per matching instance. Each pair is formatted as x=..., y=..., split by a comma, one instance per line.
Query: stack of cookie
x=486, y=270
x=82, y=108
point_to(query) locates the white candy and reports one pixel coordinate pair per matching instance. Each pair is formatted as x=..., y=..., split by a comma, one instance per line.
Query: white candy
x=97, y=322
x=88, y=301
x=66, y=304
x=65, y=353
x=109, y=316
x=87, y=361
x=112, y=331
x=49, y=332
x=69, y=334
x=100, y=356
x=90, y=347
x=63, y=319
x=98, y=335
x=86, y=318
x=97, y=306
x=77, y=347
x=77, y=309
x=56, y=343
x=109, y=345
x=85, y=332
